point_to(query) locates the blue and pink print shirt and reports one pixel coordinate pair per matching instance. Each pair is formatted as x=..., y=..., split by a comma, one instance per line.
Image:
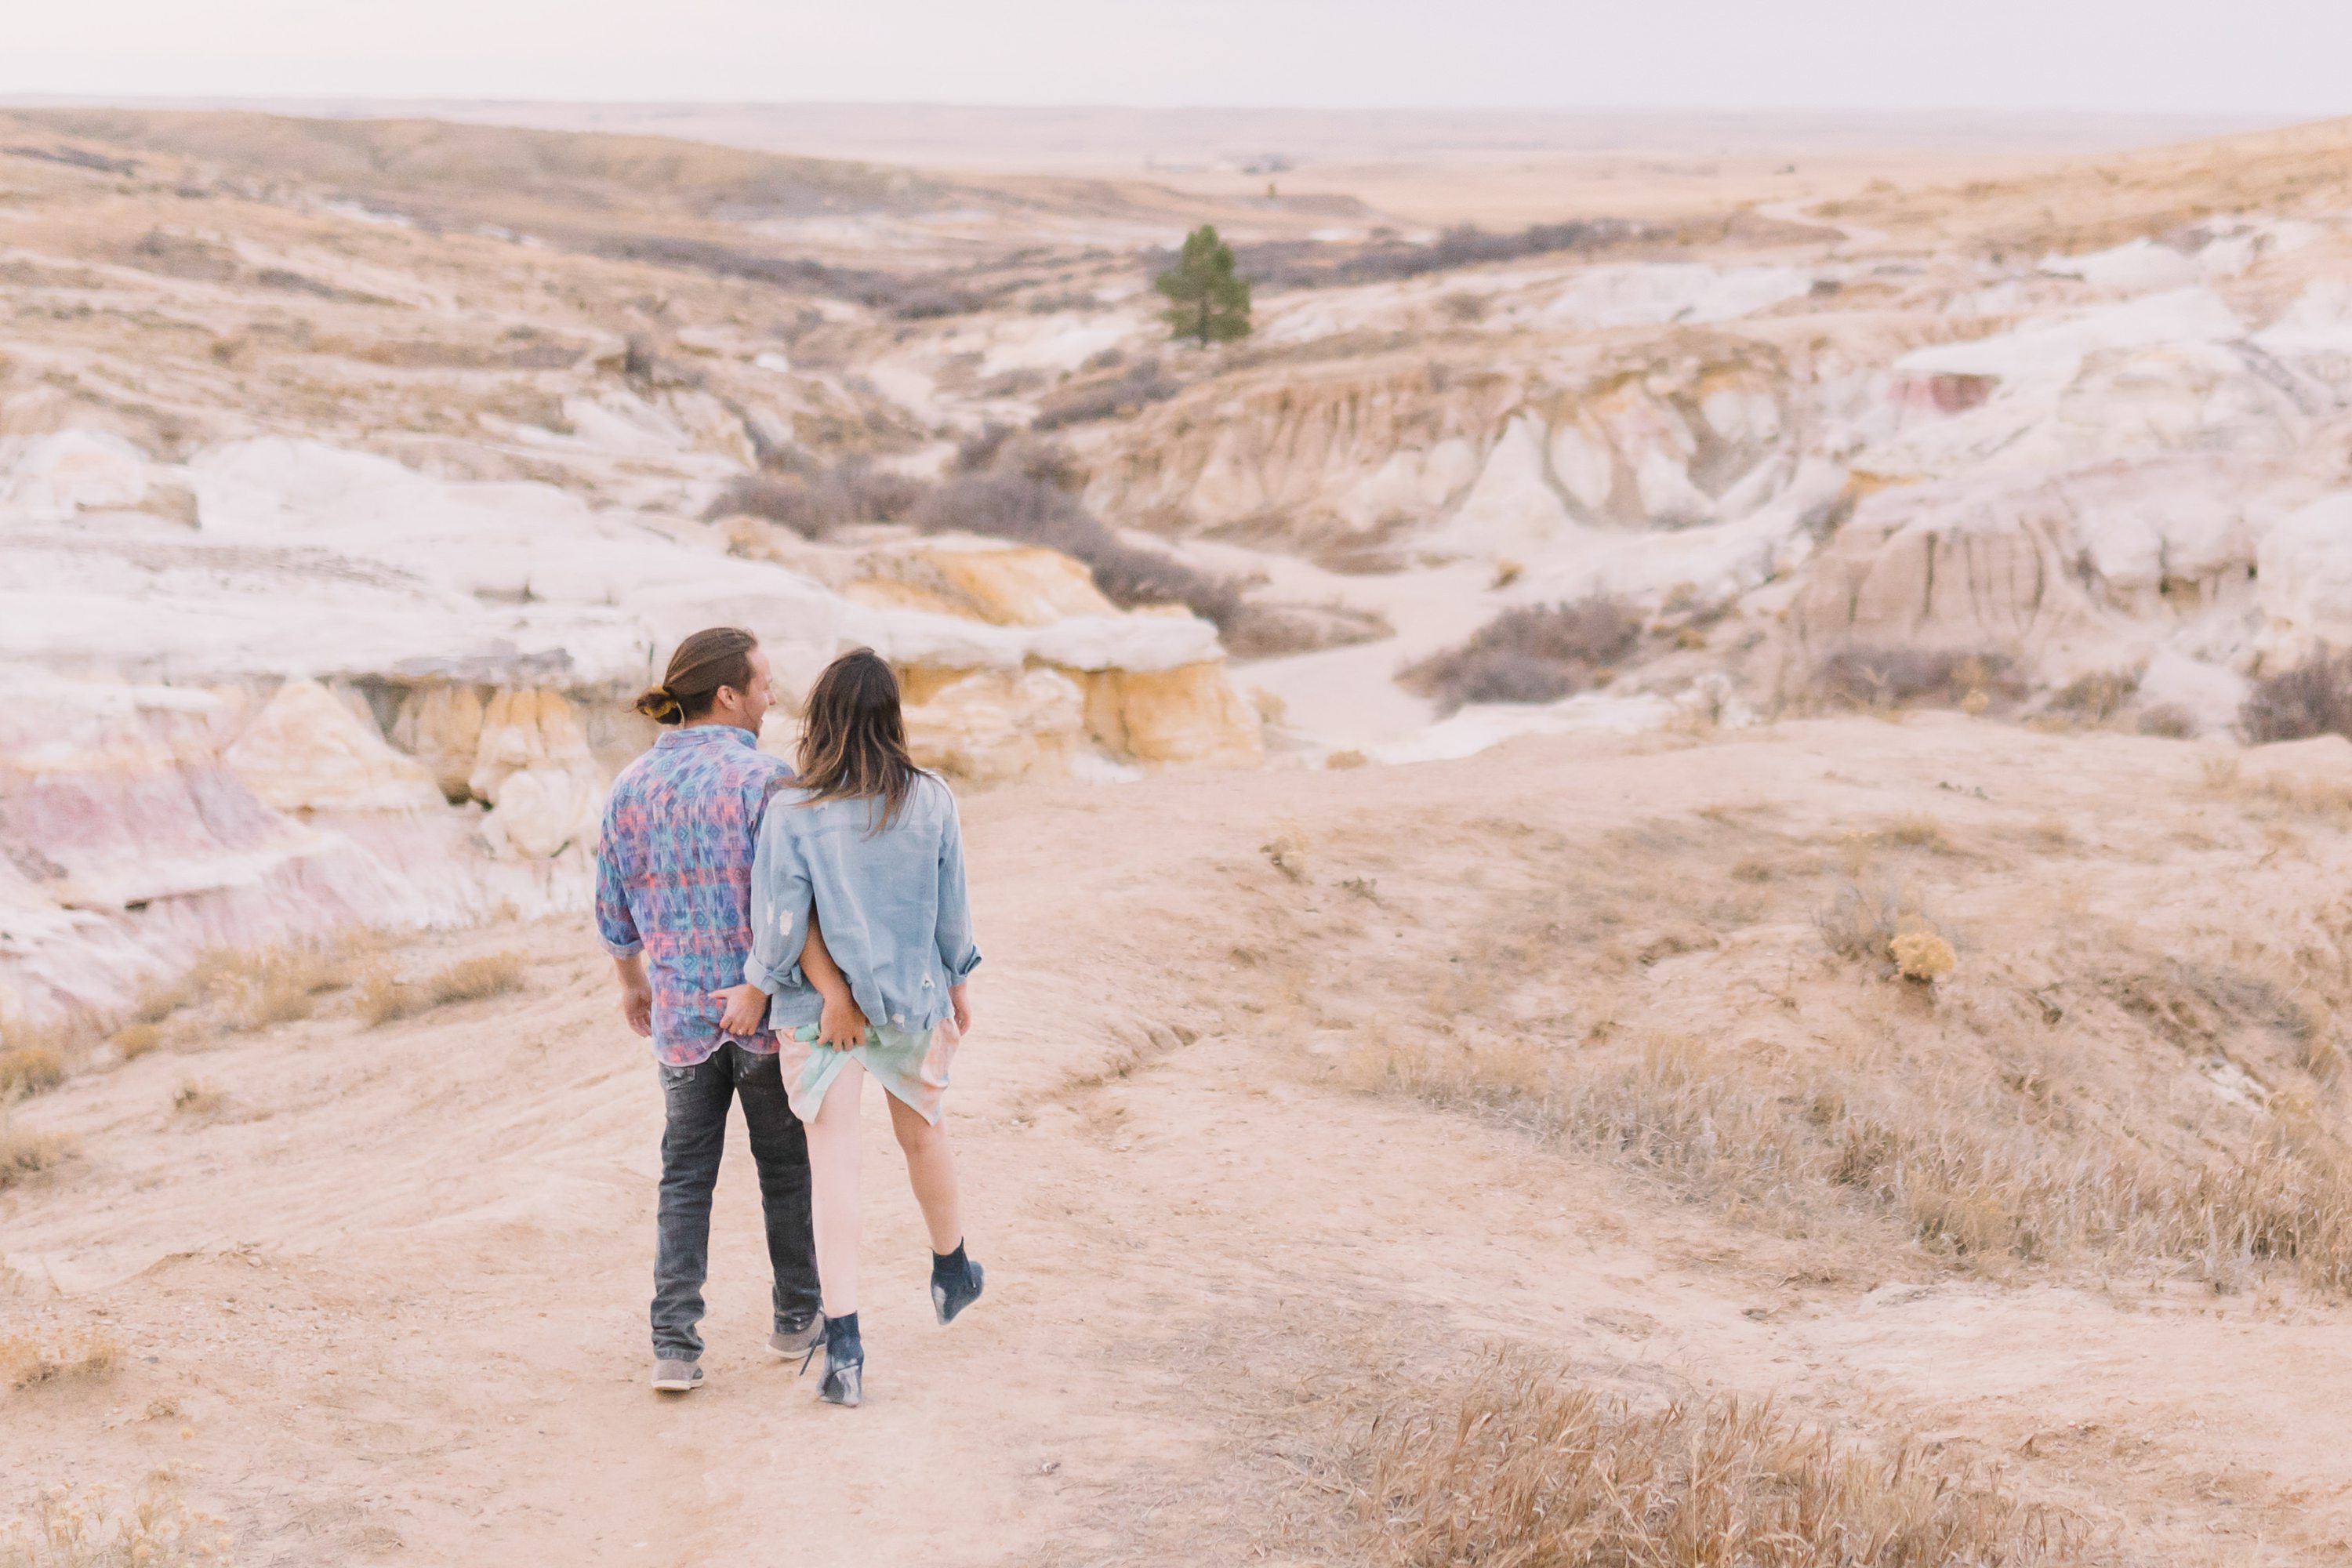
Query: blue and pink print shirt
x=674, y=877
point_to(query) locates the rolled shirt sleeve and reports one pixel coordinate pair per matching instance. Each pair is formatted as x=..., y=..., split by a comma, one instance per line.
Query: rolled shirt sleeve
x=956, y=949
x=782, y=901
x=616, y=924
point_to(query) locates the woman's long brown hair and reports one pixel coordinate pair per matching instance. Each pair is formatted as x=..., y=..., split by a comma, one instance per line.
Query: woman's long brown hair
x=853, y=740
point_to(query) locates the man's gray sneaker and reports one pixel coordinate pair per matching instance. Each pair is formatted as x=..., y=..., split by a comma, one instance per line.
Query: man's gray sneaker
x=677, y=1376
x=796, y=1338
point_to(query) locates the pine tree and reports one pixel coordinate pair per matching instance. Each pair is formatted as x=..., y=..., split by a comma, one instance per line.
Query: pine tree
x=1205, y=300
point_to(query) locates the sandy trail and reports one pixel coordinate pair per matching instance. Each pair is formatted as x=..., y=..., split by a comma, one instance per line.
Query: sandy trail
x=387, y=1302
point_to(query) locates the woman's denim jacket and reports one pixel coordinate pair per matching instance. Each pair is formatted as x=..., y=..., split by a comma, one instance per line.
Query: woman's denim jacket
x=897, y=918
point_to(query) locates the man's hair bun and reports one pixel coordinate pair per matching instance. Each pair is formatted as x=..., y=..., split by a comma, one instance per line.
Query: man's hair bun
x=657, y=704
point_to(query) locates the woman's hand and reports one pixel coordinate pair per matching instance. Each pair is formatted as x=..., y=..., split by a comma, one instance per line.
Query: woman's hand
x=843, y=1026
x=960, y=996
x=746, y=1009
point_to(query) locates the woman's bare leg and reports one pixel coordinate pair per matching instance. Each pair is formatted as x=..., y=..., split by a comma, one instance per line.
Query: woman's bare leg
x=833, y=1189
x=930, y=1170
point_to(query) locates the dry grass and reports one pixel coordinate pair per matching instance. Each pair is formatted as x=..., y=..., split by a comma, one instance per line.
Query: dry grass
x=196, y=1098
x=28, y=1070
x=1866, y=923
x=135, y=1040
x=273, y=985
x=382, y=997
x=1522, y=1464
x=77, y=1528
x=87, y=1354
x=1878, y=679
x=25, y=1153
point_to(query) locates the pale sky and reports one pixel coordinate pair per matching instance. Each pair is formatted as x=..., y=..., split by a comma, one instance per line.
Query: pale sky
x=2281, y=57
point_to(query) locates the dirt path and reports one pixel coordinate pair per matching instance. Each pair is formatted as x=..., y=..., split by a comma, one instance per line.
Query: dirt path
x=386, y=1302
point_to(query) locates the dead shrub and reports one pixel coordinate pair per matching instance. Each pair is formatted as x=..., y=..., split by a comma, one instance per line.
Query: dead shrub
x=28, y=1070
x=1130, y=391
x=1878, y=678
x=25, y=1153
x=198, y=1100
x=382, y=997
x=1520, y=1461
x=2314, y=697
x=273, y=985
x=26, y=1359
x=1863, y=922
x=1533, y=653
x=1008, y=503
x=473, y=979
x=135, y=1040
x=2095, y=697
x=2170, y=722
x=77, y=1527
x=812, y=500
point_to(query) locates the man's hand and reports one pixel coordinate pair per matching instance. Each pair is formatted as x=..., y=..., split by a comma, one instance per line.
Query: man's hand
x=960, y=996
x=636, y=995
x=746, y=1009
x=843, y=1027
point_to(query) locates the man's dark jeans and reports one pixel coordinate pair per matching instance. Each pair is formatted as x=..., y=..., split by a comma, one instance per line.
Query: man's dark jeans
x=696, y=1137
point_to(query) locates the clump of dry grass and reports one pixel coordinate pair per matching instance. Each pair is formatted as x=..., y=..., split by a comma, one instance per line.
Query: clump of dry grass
x=28, y=1070
x=77, y=1528
x=1524, y=1463
x=1866, y=923
x=273, y=985
x=382, y=997
x=25, y=1153
x=195, y=1098
x=2095, y=697
x=135, y=1040
x=89, y=1353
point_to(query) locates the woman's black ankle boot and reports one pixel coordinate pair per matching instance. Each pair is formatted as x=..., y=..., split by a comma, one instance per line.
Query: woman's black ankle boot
x=844, y=1362
x=955, y=1283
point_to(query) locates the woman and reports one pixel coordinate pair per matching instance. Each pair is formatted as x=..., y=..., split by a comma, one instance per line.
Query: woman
x=867, y=844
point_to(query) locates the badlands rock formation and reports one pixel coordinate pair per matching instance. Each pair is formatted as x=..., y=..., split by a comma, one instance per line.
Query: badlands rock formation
x=350, y=480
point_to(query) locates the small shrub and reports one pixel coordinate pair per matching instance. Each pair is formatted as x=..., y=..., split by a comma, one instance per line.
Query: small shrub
x=25, y=1359
x=2168, y=720
x=25, y=1153
x=1864, y=923
x=813, y=501
x=28, y=1070
x=1136, y=387
x=2315, y=697
x=2098, y=697
x=195, y=1098
x=380, y=998
x=1862, y=676
x=1922, y=955
x=136, y=1040
x=1535, y=653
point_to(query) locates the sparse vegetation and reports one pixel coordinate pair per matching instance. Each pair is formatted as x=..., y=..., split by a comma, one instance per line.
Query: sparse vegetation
x=197, y=1099
x=1881, y=678
x=812, y=499
x=1520, y=1461
x=2098, y=697
x=2314, y=697
x=1535, y=653
x=382, y=997
x=1135, y=388
x=77, y=1527
x=274, y=985
x=26, y=1359
x=28, y=1070
x=135, y=1040
x=25, y=1153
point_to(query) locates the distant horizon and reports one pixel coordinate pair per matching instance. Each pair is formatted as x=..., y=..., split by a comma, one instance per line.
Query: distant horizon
x=1833, y=57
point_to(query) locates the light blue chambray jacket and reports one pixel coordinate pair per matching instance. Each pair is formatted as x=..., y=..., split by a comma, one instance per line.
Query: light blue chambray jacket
x=896, y=915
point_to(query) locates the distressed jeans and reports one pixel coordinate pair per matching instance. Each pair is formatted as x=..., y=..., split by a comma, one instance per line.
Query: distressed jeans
x=697, y=1098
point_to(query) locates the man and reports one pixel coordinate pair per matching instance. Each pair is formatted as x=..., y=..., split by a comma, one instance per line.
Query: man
x=673, y=907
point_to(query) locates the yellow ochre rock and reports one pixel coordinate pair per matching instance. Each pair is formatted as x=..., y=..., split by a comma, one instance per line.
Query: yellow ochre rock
x=308, y=750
